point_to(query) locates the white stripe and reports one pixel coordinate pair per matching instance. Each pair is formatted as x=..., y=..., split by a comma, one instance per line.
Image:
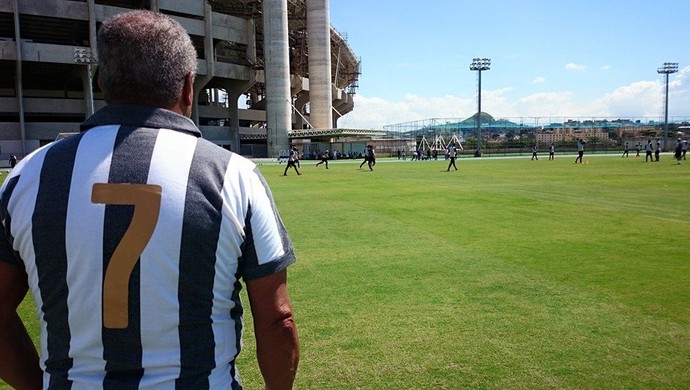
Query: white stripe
x=241, y=188
x=169, y=168
x=26, y=191
x=85, y=257
x=228, y=251
x=267, y=240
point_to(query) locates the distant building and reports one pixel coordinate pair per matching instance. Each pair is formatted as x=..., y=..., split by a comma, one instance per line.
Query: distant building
x=547, y=136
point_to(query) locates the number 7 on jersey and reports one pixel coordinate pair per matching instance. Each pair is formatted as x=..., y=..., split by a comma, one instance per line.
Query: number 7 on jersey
x=146, y=199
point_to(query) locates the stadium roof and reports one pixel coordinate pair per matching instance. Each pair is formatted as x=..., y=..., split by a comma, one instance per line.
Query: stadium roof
x=317, y=133
x=334, y=133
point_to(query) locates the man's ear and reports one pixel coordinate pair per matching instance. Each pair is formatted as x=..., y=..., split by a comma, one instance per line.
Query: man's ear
x=188, y=90
x=183, y=105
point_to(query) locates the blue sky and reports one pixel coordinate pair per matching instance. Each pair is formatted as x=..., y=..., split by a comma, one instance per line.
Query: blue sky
x=550, y=58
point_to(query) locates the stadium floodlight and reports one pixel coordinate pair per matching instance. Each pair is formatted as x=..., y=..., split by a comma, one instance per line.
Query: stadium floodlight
x=479, y=64
x=667, y=69
x=83, y=56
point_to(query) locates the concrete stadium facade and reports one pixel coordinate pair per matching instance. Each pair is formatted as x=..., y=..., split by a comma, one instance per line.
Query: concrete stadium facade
x=255, y=59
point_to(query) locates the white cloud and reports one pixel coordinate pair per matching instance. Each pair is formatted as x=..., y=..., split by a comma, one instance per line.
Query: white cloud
x=679, y=95
x=545, y=104
x=641, y=99
x=374, y=113
x=539, y=80
x=606, y=67
x=575, y=67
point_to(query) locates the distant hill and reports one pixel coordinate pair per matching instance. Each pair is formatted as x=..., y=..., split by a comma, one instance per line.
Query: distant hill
x=487, y=121
x=483, y=117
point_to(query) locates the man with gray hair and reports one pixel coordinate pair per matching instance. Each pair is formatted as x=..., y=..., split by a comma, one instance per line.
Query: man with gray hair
x=133, y=237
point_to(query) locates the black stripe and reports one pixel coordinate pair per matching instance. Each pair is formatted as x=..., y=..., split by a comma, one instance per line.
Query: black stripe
x=249, y=257
x=48, y=232
x=249, y=263
x=200, y=231
x=122, y=349
x=7, y=253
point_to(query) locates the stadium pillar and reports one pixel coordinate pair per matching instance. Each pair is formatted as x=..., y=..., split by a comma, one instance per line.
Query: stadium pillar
x=277, y=72
x=235, y=89
x=18, y=79
x=319, y=43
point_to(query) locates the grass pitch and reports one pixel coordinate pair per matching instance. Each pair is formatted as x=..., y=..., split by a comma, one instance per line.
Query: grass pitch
x=508, y=273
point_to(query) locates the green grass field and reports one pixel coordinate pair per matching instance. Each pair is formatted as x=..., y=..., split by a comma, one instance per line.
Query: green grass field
x=508, y=273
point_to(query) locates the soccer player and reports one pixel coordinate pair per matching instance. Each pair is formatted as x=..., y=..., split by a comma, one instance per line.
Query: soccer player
x=134, y=237
x=366, y=156
x=580, y=150
x=324, y=159
x=625, y=151
x=371, y=157
x=648, y=151
x=552, y=152
x=293, y=161
x=452, y=154
x=678, y=151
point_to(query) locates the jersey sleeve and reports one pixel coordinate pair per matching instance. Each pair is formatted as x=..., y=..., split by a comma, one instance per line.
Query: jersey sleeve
x=267, y=248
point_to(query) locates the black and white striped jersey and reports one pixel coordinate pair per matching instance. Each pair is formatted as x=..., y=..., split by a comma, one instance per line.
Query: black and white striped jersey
x=134, y=235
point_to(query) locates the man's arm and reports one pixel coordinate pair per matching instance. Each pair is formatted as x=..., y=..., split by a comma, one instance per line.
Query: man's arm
x=277, y=346
x=18, y=357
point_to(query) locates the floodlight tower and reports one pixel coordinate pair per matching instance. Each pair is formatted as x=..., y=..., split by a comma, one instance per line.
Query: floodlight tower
x=84, y=56
x=667, y=69
x=479, y=64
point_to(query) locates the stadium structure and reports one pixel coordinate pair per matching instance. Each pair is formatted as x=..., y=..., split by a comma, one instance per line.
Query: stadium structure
x=270, y=73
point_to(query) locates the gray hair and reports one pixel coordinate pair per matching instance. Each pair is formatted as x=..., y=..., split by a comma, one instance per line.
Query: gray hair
x=144, y=58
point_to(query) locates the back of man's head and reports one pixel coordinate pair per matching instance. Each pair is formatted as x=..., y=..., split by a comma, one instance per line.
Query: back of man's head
x=144, y=58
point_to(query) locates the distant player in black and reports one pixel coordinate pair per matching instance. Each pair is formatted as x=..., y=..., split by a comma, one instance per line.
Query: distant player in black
x=452, y=154
x=638, y=147
x=625, y=150
x=678, y=151
x=366, y=157
x=648, y=151
x=292, y=161
x=580, y=150
x=371, y=157
x=324, y=159
x=534, y=152
x=552, y=151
